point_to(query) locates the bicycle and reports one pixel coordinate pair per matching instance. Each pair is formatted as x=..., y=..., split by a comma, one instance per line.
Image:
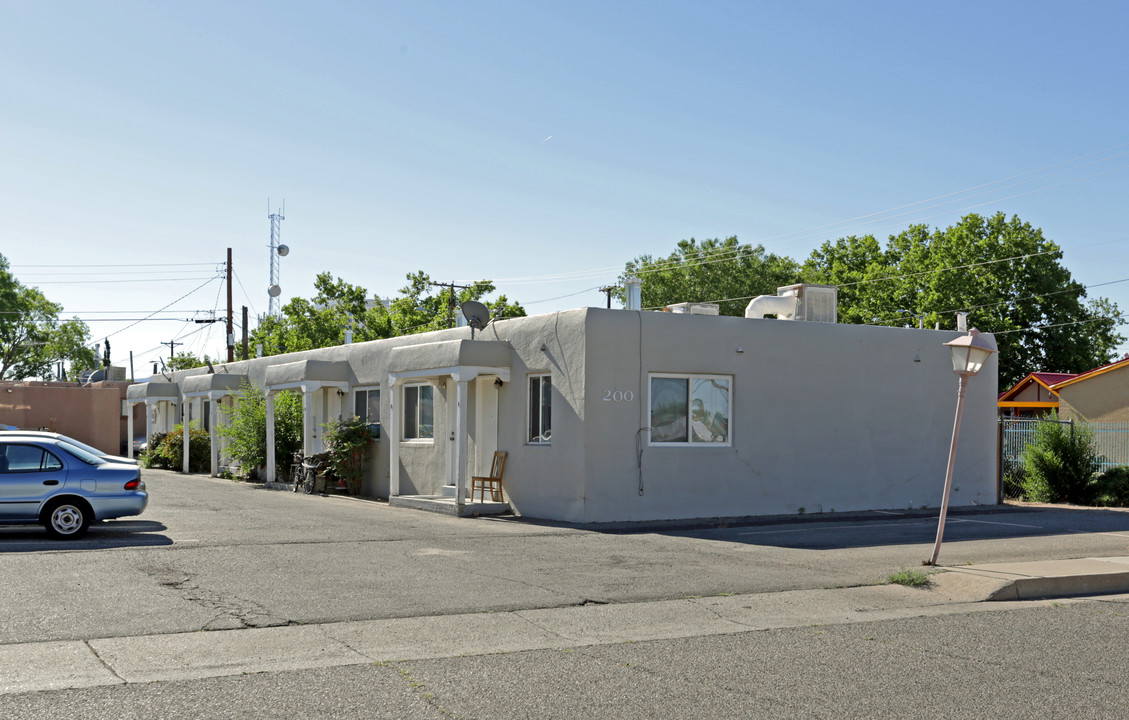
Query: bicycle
x=306, y=479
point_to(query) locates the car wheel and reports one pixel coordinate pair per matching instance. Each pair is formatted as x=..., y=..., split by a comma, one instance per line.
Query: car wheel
x=66, y=519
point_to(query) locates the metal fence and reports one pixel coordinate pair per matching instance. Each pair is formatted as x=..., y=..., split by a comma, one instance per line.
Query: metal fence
x=1111, y=439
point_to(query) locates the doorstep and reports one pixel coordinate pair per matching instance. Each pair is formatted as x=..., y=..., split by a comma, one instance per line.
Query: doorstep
x=446, y=505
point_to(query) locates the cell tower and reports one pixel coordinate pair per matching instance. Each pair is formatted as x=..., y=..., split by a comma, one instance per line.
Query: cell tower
x=277, y=250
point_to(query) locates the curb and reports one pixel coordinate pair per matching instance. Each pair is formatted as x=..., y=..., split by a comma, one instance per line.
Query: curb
x=1052, y=579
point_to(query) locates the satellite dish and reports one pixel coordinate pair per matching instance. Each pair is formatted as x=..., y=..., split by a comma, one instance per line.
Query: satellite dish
x=274, y=291
x=476, y=314
x=283, y=250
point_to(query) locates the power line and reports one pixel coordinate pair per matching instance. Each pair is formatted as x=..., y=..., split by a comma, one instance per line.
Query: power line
x=804, y=234
x=114, y=282
x=88, y=265
x=1063, y=324
x=127, y=327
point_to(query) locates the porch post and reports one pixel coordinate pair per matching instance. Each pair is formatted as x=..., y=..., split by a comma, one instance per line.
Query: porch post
x=149, y=420
x=184, y=423
x=308, y=438
x=213, y=436
x=460, y=473
x=392, y=434
x=129, y=430
x=271, y=475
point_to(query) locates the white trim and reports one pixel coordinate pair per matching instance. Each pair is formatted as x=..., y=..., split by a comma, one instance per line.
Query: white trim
x=404, y=424
x=528, y=440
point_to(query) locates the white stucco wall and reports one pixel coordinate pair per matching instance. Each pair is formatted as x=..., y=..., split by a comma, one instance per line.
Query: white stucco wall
x=825, y=417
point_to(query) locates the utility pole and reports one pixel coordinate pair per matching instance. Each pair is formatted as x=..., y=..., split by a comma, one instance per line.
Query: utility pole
x=172, y=347
x=244, y=332
x=451, y=299
x=230, y=329
x=608, y=290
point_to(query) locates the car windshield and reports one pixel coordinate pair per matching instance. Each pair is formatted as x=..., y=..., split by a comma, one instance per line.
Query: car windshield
x=83, y=455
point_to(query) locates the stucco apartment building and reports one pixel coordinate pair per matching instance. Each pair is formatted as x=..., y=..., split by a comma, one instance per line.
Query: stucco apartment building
x=627, y=415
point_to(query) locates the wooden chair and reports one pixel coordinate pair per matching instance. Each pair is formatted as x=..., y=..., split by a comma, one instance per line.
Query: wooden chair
x=494, y=481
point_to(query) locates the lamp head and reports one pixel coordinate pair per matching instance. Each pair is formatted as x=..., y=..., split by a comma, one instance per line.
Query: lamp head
x=970, y=352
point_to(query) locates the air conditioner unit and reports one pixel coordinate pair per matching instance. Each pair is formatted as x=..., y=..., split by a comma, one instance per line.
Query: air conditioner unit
x=814, y=303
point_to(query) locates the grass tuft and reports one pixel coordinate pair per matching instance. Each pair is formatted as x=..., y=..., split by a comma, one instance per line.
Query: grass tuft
x=910, y=578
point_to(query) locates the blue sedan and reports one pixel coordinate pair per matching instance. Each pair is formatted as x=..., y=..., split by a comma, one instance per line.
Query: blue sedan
x=63, y=487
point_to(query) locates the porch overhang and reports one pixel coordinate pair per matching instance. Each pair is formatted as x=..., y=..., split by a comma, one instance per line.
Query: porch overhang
x=212, y=386
x=152, y=392
x=461, y=359
x=308, y=375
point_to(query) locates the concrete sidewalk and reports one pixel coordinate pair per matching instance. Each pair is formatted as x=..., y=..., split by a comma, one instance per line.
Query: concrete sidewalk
x=57, y=665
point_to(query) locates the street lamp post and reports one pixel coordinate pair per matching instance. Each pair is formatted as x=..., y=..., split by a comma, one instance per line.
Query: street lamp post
x=969, y=352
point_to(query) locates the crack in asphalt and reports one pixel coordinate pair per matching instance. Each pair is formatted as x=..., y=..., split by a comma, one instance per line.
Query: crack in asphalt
x=245, y=613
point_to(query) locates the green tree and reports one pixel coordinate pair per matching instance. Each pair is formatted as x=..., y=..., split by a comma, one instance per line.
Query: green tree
x=186, y=361
x=245, y=427
x=70, y=344
x=339, y=306
x=721, y=271
x=31, y=338
x=424, y=305
x=1000, y=270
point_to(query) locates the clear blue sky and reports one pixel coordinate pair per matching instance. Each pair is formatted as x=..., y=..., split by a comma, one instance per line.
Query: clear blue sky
x=517, y=140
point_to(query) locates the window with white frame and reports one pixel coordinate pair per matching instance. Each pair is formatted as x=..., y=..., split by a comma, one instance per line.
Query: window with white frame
x=540, y=409
x=690, y=409
x=366, y=406
x=419, y=412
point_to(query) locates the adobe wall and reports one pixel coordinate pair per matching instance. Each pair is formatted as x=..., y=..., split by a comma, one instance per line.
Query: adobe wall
x=90, y=414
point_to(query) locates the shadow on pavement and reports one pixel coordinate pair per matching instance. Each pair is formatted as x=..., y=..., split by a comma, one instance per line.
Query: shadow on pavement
x=1002, y=523
x=829, y=531
x=102, y=535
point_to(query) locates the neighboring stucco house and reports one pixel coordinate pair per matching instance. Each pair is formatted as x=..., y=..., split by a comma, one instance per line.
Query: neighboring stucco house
x=1100, y=395
x=623, y=415
x=1033, y=396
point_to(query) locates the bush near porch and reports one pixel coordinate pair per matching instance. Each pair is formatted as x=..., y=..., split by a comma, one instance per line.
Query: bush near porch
x=166, y=450
x=245, y=427
x=347, y=442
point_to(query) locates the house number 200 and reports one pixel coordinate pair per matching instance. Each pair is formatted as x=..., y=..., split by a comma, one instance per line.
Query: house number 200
x=618, y=396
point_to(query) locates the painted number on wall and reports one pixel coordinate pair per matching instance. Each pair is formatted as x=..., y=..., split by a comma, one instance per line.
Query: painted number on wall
x=618, y=396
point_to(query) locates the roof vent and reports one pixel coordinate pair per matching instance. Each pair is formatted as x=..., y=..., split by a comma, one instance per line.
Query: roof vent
x=633, y=290
x=691, y=308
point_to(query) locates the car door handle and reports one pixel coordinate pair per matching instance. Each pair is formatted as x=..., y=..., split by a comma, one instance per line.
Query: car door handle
x=50, y=482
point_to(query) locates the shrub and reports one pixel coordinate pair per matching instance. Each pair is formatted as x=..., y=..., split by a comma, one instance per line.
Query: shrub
x=245, y=427
x=1013, y=477
x=1111, y=488
x=347, y=442
x=150, y=458
x=166, y=450
x=1060, y=464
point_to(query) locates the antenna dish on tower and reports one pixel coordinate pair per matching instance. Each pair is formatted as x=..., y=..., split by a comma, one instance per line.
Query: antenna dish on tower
x=274, y=291
x=476, y=314
x=283, y=250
